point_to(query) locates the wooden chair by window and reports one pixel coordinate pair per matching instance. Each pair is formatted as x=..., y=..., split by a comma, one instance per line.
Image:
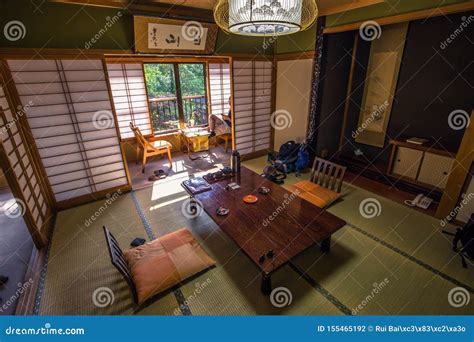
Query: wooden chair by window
x=227, y=137
x=150, y=148
x=324, y=186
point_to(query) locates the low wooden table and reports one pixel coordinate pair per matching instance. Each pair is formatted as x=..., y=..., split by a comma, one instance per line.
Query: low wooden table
x=196, y=140
x=279, y=221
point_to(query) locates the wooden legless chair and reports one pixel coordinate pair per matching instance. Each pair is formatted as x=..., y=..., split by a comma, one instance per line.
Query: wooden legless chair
x=150, y=148
x=324, y=186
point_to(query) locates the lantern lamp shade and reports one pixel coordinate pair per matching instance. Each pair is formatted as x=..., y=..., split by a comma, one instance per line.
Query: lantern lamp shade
x=265, y=17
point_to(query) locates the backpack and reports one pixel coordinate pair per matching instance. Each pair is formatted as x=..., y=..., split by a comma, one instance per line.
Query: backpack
x=272, y=174
x=303, y=159
x=286, y=158
x=465, y=236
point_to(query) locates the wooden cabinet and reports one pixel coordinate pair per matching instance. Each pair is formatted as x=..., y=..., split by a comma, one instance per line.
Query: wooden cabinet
x=407, y=162
x=424, y=165
x=435, y=169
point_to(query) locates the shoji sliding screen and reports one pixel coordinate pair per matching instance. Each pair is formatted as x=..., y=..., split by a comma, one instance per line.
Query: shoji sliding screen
x=252, y=105
x=72, y=124
x=219, y=88
x=24, y=179
x=127, y=83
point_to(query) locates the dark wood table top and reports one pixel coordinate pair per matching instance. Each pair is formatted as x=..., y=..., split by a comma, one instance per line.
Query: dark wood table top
x=278, y=221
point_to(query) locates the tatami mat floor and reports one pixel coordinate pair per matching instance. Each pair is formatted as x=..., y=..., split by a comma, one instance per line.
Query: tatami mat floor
x=398, y=262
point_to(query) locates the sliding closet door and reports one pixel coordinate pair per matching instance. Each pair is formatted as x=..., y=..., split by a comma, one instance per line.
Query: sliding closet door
x=72, y=124
x=219, y=88
x=252, y=105
x=127, y=83
x=31, y=199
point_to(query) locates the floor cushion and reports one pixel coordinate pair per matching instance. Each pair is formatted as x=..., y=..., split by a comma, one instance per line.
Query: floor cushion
x=162, y=263
x=314, y=193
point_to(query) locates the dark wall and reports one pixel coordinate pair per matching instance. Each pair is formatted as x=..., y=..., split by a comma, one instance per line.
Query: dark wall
x=337, y=55
x=434, y=80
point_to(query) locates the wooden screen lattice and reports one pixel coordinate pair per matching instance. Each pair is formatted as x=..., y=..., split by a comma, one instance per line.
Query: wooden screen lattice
x=72, y=123
x=31, y=199
x=127, y=83
x=252, y=105
x=219, y=88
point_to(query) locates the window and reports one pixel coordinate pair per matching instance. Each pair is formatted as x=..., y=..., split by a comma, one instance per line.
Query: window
x=19, y=163
x=252, y=105
x=71, y=120
x=177, y=95
x=127, y=84
x=219, y=88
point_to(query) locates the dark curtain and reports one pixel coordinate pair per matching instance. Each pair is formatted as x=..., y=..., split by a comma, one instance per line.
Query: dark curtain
x=316, y=89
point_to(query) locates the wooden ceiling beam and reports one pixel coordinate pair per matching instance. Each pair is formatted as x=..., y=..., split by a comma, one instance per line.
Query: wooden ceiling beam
x=400, y=18
x=334, y=9
x=160, y=9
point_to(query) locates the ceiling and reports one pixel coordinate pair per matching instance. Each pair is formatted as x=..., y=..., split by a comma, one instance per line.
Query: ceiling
x=325, y=6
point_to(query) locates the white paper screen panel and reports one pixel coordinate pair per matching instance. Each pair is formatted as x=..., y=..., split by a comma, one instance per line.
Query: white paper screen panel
x=20, y=164
x=219, y=87
x=72, y=123
x=127, y=83
x=252, y=105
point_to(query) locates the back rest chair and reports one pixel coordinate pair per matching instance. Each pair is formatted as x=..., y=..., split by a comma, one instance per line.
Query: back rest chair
x=327, y=174
x=117, y=259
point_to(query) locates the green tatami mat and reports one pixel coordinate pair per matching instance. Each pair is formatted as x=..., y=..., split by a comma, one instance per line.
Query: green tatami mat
x=360, y=271
x=79, y=263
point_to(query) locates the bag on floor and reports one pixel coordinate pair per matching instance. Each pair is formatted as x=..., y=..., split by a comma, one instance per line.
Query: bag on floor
x=286, y=158
x=272, y=174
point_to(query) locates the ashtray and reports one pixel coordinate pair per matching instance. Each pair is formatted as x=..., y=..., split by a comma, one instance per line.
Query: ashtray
x=221, y=211
x=250, y=199
x=263, y=190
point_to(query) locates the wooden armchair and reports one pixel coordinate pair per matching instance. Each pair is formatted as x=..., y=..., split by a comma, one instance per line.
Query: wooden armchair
x=324, y=186
x=150, y=148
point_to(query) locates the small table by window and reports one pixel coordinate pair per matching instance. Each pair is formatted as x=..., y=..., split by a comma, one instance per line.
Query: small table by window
x=195, y=140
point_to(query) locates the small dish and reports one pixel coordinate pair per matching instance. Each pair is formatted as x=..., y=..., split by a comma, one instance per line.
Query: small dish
x=250, y=199
x=263, y=190
x=221, y=211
